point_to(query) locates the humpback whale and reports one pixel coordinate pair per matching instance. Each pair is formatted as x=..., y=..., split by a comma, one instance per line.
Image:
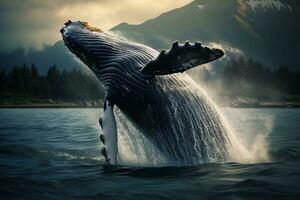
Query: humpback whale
x=153, y=92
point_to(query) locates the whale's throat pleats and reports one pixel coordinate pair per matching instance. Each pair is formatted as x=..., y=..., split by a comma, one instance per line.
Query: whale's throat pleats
x=114, y=60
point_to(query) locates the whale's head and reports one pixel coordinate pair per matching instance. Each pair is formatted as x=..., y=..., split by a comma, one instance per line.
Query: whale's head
x=97, y=48
x=78, y=37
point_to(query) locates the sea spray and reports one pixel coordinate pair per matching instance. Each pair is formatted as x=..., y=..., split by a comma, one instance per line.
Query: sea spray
x=236, y=150
x=134, y=148
x=254, y=140
x=215, y=143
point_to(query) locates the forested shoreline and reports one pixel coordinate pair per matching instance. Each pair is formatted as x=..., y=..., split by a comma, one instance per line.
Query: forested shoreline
x=25, y=84
x=239, y=80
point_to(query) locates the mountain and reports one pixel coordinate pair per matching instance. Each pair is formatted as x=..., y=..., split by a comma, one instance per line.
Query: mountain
x=265, y=30
x=56, y=54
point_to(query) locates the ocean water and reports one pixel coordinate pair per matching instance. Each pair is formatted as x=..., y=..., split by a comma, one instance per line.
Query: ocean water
x=55, y=154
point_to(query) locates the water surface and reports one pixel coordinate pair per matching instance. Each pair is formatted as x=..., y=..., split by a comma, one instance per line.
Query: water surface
x=55, y=154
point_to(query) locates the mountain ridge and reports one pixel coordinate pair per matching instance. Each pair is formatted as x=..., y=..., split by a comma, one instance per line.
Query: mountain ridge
x=264, y=32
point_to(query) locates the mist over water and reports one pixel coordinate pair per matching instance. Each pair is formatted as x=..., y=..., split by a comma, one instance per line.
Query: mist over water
x=246, y=149
x=257, y=145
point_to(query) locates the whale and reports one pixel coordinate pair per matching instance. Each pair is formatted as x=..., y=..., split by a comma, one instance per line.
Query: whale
x=154, y=92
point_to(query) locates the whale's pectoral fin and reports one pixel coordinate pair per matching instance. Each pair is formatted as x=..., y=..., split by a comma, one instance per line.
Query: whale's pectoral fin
x=110, y=136
x=180, y=58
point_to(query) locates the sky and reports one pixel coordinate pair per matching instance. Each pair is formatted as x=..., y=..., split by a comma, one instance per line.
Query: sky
x=34, y=23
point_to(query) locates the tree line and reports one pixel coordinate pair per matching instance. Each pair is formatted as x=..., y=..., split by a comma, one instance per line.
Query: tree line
x=27, y=82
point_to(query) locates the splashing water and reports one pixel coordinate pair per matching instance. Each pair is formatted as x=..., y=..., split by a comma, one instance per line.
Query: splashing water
x=199, y=134
x=256, y=142
x=134, y=148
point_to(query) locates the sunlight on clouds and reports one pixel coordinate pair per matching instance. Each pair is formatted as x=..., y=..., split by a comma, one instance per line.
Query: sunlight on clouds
x=107, y=15
x=39, y=21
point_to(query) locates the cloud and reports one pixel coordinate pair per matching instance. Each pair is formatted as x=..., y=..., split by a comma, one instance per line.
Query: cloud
x=32, y=23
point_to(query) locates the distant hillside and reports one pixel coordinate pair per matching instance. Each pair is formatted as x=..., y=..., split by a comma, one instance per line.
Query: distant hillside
x=50, y=55
x=266, y=30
